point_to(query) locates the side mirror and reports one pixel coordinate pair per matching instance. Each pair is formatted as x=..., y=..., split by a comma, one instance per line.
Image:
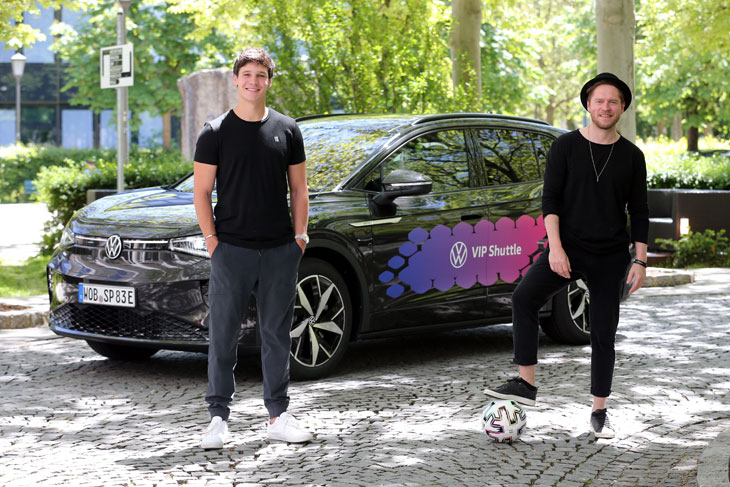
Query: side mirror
x=402, y=182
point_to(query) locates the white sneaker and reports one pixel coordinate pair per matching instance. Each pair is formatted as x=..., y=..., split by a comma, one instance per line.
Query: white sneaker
x=286, y=428
x=215, y=435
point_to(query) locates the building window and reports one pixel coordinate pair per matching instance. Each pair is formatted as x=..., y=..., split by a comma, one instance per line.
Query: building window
x=108, y=130
x=38, y=124
x=77, y=127
x=39, y=51
x=150, y=131
x=7, y=127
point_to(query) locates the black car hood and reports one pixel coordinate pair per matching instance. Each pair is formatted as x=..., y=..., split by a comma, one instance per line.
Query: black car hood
x=144, y=213
x=162, y=213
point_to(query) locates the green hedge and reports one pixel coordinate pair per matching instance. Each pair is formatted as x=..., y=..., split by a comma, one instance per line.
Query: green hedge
x=21, y=163
x=690, y=171
x=63, y=187
x=669, y=165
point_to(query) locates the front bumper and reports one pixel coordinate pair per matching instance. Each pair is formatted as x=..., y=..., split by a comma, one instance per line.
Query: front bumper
x=171, y=300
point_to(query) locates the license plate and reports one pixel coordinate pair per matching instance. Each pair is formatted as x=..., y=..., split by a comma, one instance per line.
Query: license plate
x=107, y=295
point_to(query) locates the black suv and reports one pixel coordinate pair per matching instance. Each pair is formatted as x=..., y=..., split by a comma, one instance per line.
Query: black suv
x=417, y=223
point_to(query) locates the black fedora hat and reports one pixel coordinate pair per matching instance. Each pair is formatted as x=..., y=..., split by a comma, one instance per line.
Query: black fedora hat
x=606, y=78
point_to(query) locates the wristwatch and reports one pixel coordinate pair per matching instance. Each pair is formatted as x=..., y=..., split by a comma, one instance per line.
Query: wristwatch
x=303, y=236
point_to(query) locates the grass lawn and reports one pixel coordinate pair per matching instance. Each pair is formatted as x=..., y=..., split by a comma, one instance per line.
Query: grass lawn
x=23, y=278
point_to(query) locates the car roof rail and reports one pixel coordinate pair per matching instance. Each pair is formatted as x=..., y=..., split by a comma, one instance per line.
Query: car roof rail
x=324, y=115
x=448, y=116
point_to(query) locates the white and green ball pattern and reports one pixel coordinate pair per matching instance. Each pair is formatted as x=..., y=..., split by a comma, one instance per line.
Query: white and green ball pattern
x=503, y=421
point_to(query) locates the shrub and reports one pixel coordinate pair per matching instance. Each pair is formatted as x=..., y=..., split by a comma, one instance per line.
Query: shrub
x=670, y=166
x=20, y=163
x=706, y=249
x=63, y=187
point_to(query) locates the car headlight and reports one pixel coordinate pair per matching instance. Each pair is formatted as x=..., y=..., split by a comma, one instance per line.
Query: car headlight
x=67, y=238
x=194, y=245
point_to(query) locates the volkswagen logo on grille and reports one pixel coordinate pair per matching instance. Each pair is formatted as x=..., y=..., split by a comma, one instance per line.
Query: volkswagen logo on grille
x=113, y=247
x=457, y=256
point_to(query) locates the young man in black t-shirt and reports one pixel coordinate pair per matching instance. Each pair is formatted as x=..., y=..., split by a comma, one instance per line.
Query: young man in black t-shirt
x=253, y=155
x=593, y=176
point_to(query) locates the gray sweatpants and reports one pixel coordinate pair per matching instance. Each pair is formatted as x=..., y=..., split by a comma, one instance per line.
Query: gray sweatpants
x=271, y=275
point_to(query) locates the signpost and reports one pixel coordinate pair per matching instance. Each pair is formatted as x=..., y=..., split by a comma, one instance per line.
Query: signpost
x=116, y=71
x=116, y=68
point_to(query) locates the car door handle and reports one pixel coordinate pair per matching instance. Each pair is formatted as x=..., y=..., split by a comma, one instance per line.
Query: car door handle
x=470, y=217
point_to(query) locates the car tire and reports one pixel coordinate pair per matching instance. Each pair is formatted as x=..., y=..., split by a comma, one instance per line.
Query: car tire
x=121, y=352
x=569, y=321
x=322, y=320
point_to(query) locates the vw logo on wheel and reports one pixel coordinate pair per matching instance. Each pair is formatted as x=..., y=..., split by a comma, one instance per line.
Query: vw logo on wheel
x=457, y=256
x=113, y=246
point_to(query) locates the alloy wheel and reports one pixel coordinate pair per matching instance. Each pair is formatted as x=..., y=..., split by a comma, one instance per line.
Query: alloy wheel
x=319, y=321
x=579, y=303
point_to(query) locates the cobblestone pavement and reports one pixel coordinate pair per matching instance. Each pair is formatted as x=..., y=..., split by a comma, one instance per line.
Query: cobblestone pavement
x=400, y=412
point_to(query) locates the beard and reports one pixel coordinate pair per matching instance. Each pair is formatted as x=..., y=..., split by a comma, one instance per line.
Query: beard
x=604, y=123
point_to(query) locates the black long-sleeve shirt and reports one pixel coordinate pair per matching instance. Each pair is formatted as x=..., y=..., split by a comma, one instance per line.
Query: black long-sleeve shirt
x=593, y=213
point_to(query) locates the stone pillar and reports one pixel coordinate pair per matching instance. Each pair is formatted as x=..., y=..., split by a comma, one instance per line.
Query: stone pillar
x=205, y=95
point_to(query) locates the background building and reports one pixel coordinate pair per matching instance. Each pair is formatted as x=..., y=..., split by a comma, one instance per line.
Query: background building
x=47, y=116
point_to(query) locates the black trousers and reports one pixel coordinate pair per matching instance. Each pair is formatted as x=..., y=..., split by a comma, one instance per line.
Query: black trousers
x=604, y=275
x=271, y=275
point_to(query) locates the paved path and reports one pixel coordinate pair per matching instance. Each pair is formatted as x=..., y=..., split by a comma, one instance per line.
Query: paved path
x=400, y=412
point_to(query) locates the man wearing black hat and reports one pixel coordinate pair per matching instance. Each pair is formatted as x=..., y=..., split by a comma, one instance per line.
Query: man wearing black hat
x=593, y=176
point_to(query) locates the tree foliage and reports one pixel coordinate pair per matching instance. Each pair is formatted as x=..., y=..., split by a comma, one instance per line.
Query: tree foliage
x=683, y=63
x=359, y=56
x=12, y=28
x=394, y=55
x=552, y=46
x=164, y=51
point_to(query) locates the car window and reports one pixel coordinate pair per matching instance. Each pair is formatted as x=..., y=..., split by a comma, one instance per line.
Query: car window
x=508, y=156
x=441, y=156
x=542, y=147
x=336, y=147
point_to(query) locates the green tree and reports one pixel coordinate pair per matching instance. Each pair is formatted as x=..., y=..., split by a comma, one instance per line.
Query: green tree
x=558, y=52
x=683, y=63
x=14, y=31
x=361, y=55
x=466, y=55
x=164, y=51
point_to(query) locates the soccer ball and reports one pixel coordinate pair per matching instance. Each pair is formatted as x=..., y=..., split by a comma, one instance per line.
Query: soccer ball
x=503, y=421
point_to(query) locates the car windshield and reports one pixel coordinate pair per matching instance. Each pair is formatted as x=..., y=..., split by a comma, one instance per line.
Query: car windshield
x=335, y=147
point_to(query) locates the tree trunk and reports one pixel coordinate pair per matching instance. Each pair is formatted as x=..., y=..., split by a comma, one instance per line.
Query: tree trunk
x=708, y=131
x=615, y=29
x=661, y=128
x=676, y=129
x=167, y=130
x=693, y=134
x=550, y=114
x=466, y=25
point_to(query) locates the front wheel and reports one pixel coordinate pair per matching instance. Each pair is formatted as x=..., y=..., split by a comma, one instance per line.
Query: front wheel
x=569, y=321
x=322, y=322
x=121, y=352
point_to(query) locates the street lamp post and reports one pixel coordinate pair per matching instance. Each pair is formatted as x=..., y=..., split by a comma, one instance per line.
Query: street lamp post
x=18, y=62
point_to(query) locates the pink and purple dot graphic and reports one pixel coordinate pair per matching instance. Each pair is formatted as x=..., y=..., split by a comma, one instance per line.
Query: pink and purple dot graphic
x=464, y=255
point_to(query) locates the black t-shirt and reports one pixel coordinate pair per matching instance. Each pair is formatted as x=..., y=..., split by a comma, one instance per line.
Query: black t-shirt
x=593, y=213
x=251, y=179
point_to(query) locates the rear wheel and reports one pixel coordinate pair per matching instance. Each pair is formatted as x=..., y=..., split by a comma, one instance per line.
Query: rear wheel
x=569, y=321
x=121, y=352
x=322, y=320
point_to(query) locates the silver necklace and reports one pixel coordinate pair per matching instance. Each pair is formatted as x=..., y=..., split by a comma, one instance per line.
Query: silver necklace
x=598, y=174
